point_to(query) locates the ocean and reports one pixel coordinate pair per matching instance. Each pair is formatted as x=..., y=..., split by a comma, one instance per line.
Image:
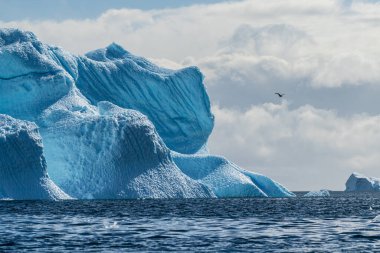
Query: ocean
x=343, y=222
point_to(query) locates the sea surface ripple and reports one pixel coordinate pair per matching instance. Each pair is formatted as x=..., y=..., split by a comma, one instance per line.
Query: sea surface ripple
x=343, y=222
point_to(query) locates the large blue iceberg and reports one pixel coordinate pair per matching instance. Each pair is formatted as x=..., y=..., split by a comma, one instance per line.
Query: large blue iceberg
x=113, y=125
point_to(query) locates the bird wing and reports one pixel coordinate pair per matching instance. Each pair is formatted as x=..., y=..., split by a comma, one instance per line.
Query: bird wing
x=279, y=94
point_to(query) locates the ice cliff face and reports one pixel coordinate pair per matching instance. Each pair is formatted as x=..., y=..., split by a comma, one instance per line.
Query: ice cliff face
x=23, y=172
x=116, y=126
x=359, y=182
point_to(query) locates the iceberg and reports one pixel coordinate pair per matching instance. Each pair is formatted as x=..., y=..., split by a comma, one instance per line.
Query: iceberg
x=113, y=125
x=23, y=173
x=359, y=182
x=320, y=193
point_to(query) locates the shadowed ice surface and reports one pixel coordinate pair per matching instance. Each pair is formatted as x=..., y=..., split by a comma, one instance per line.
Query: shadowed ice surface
x=344, y=222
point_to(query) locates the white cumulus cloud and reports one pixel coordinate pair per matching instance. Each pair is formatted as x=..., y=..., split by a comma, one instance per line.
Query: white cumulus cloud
x=305, y=148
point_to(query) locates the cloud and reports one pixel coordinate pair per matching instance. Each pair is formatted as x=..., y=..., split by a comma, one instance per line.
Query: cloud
x=305, y=148
x=173, y=33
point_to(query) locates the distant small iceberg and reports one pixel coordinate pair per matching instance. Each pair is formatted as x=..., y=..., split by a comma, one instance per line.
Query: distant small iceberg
x=359, y=182
x=320, y=193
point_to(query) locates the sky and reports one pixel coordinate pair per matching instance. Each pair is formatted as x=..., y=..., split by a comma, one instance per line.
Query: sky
x=324, y=55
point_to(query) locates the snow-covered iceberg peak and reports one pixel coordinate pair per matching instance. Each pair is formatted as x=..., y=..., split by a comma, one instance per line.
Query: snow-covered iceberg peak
x=23, y=172
x=359, y=182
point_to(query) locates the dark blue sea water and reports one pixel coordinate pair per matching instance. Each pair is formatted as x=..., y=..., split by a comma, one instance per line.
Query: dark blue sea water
x=340, y=223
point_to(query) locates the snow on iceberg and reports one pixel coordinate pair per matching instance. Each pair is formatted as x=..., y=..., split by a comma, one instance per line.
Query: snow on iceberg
x=359, y=182
x=115, y=125
x=23, y=172
x=320, y=193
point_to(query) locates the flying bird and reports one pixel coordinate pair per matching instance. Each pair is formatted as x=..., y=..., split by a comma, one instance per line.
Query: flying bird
x=279, y=94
